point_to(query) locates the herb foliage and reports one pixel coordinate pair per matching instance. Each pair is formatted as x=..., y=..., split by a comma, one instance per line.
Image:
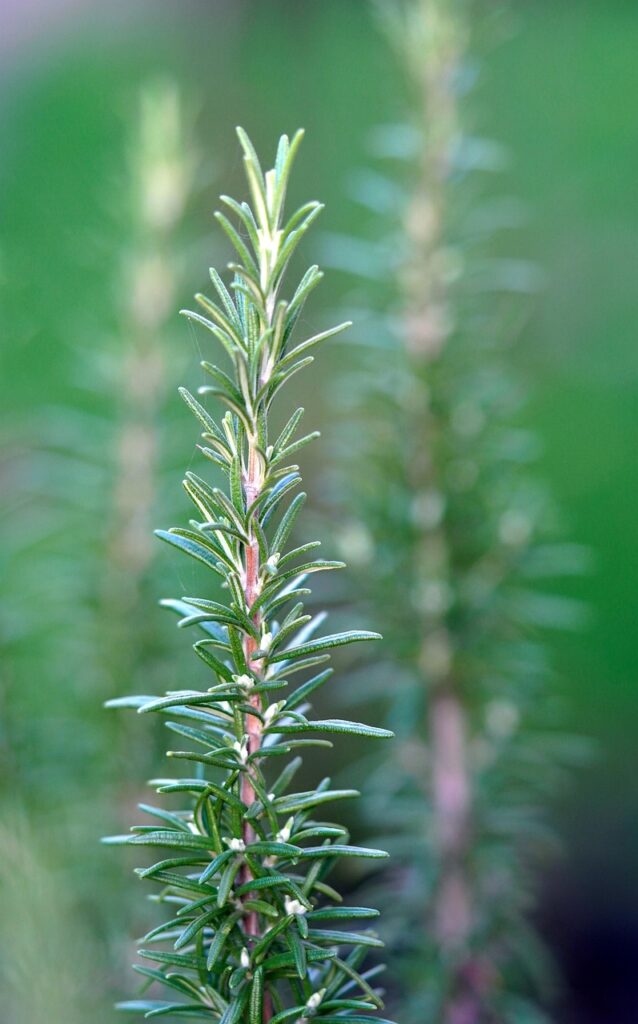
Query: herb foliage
x=255, y=931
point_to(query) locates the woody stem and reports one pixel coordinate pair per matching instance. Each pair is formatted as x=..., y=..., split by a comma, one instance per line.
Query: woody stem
x=252, y=485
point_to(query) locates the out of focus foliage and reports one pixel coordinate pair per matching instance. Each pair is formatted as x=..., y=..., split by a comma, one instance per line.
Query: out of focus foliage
x=85, y=475
x=456, y=540
x=39, y=900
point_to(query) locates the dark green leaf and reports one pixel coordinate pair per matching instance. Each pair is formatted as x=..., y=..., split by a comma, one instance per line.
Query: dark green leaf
x=325, y=643
x=335, y=725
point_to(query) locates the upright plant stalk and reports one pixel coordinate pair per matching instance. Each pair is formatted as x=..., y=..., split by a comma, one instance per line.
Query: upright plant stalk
x=245, y=875
x=435, y=40
x=162, y=178
x=435, y=46
x=84, y=494
x=452, y=537
x=162, y=172
x=85, y=487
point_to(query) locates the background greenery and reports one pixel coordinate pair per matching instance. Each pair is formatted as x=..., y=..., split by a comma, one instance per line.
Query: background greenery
x=558, y=93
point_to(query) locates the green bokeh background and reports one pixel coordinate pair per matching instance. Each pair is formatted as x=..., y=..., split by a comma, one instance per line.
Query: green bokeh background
x=559, y=92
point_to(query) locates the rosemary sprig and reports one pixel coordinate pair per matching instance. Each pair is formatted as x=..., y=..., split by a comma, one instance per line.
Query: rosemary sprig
x=246, y=860
x=453, y=539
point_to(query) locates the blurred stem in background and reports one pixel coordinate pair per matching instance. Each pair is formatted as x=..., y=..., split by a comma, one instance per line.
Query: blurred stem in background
x=162, y=175
x=453, y=539
x=162, y=172
x=75, y=625
x=433, y=41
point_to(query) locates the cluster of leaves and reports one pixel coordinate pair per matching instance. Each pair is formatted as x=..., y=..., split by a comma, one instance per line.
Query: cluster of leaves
x=453, y=540
x=255, y=930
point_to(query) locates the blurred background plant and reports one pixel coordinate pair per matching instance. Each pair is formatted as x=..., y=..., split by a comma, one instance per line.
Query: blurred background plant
x=455, y=540
x=556, y=94
x=85, y=478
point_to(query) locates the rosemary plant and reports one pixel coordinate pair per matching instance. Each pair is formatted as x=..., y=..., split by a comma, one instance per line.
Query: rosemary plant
x=452, y=539
x=255, y=930
x=83, y=477
x=82, y=481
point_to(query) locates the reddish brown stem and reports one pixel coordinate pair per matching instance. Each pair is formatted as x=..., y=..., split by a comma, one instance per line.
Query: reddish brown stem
x=252, y=485
x=452, y=815
x=451, y=801
x=428, y=324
